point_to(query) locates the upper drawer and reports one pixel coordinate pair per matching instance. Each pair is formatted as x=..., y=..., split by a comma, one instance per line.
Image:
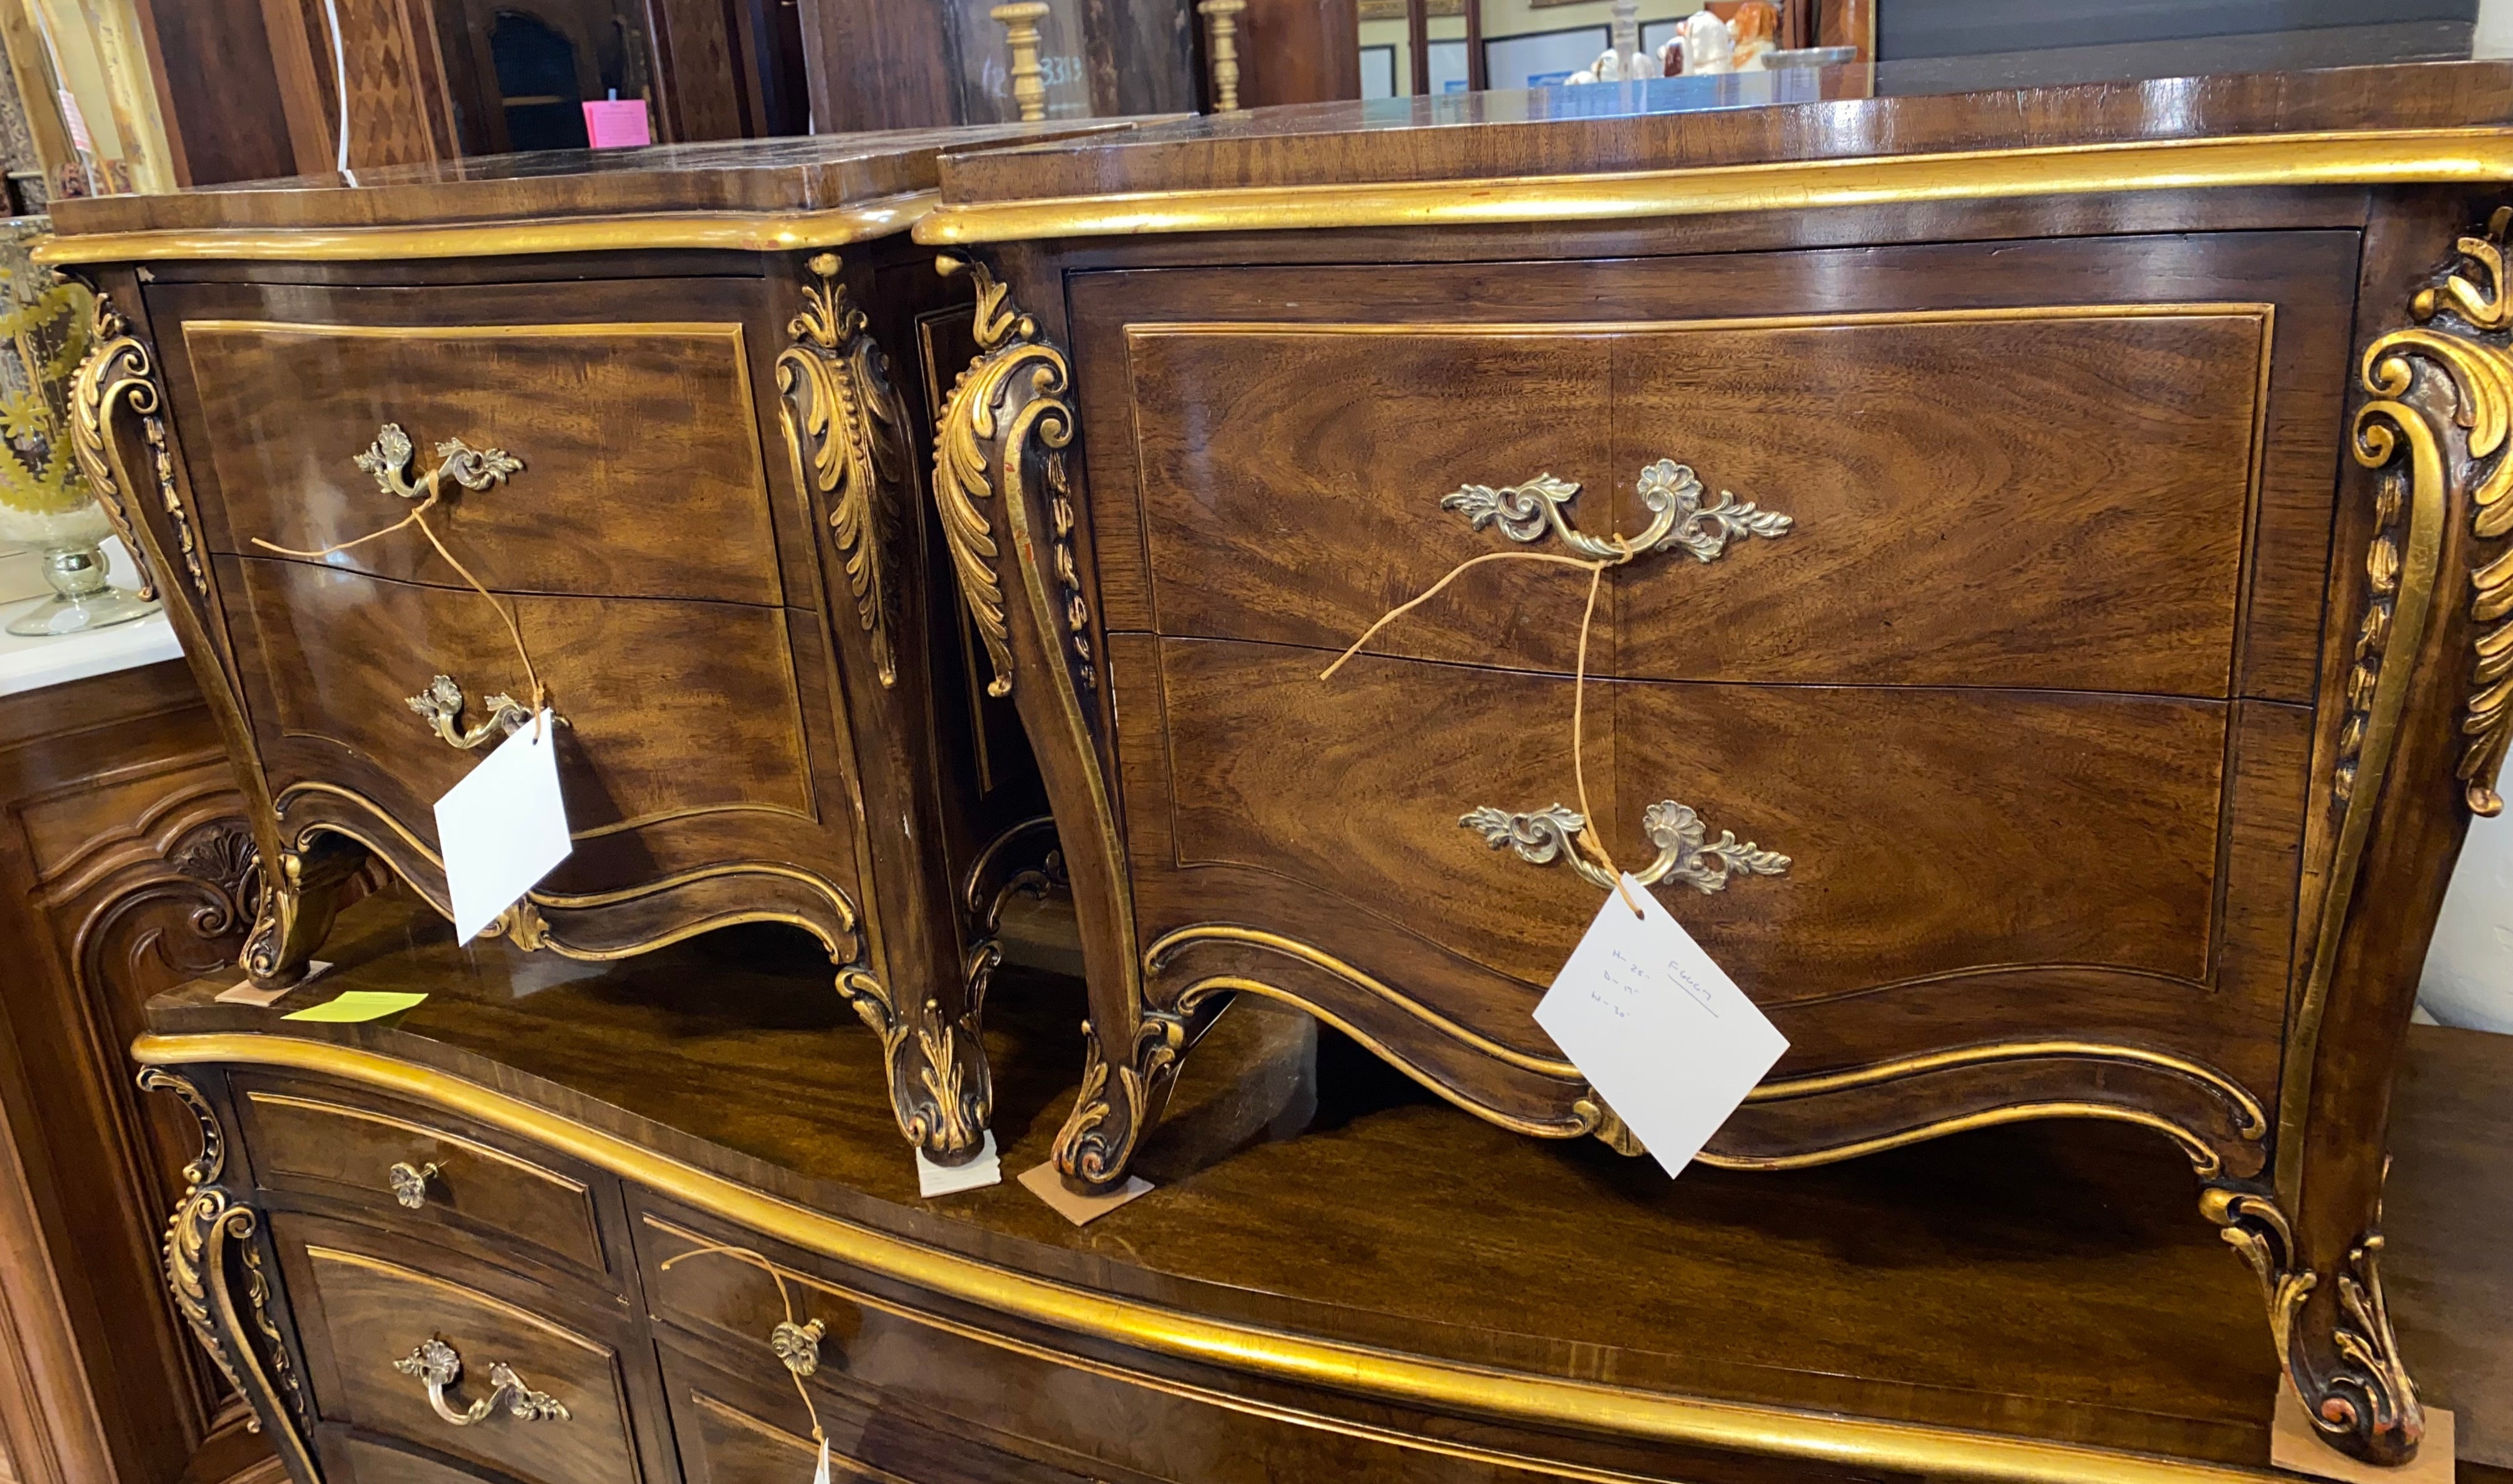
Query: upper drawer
x=400, y=1171
x=635, y=440
x=2055, y=497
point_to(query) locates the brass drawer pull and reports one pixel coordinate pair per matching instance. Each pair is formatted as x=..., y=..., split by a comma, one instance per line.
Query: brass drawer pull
x=388, y=458
x=409, y=1182
x=798, y=1344
x=442, y=704
x=1546, y=835
x=436, y=1363
x=1672, y=492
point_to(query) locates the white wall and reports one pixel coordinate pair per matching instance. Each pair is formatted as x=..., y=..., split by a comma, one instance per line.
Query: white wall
x=2469, y=970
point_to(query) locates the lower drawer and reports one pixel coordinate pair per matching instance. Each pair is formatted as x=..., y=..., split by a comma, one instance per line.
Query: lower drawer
x=646, y=687
x=349, y=1459
x=526, y=1395
x=733, y=1430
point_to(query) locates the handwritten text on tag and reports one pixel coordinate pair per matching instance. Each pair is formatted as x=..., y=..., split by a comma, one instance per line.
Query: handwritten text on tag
x=1665, y=1035
x=504, y=827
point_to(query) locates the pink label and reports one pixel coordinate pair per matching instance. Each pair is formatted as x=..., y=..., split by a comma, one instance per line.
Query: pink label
x=76, y=122
x=618, y=125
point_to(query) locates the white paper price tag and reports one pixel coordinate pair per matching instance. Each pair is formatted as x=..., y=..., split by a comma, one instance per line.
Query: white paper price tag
x=1661, y=1032
x=504, y=827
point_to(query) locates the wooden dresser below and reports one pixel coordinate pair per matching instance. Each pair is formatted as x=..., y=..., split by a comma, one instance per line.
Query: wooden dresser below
x=644, y=1223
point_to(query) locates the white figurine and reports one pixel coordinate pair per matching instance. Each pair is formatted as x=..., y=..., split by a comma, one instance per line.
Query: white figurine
x=1622, y=60
x=1708, y=45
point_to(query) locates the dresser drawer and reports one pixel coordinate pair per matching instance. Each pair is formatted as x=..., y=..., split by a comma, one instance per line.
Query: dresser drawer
x=353, y=1459
x=887, y=1387
x=2053, y=497
x=404, y=1172
x=646, y=686
x=634, y=440
x=377, y=1316
x=1929, y=833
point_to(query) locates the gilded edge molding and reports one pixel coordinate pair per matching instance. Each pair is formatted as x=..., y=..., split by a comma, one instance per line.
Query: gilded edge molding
x=1379, y=1375
x=1591, y=1117
x=846, y=428
x=2351, y=157
x=119, y=374
x=641, y=231
x=209, y=1243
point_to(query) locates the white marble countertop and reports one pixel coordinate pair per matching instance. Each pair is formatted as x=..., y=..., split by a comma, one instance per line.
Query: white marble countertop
x=30, y=665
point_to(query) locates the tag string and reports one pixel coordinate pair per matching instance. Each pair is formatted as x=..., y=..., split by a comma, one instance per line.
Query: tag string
x=417, y=516
x=777, y=1276
x=1596, y=570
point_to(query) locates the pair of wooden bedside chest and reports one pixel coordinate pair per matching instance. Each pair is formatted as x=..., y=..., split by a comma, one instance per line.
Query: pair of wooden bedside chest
x=2056, y=639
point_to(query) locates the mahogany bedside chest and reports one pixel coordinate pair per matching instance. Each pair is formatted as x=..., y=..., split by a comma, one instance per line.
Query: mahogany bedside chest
x=2053, y=619
x=663, y=405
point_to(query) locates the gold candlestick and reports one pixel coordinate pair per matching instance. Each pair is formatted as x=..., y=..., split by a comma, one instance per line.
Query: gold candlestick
x=1020, y=31
x=1223, y=18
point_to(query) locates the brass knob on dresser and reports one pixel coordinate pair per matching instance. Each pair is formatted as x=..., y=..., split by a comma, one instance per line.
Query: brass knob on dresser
x=798, y=1344
x=439, y=1365
x=409, y=1182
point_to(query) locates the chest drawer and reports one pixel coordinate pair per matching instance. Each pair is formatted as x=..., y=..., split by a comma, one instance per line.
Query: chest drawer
x=404, y=1172
x=628, y=436
x=1986, y=478
x=644, y=685
x=1915, y=457
x=527, y=1395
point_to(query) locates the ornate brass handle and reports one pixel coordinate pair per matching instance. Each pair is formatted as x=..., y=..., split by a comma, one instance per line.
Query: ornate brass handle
x=389, y=460
x=798, y=1344
x=442, y=704
x=1546, y=835
x=1678, y=519
x=409, y=1182
x=436, y=1363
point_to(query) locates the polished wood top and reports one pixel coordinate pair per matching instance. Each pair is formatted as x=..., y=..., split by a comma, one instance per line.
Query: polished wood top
x=815, y=173
x=2127, y=96
x=1306, y=1188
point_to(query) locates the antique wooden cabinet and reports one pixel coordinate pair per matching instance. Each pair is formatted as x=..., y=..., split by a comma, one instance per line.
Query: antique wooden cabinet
x=125, y=868
x=657, y=408
x=664, y=1217
x=2053, y=619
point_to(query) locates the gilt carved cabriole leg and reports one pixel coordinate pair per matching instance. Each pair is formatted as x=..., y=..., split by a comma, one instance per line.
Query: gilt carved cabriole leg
x=215, y=1272
x=910, y=975
x=125, y=445
x=299, y=900
x=2428, y=696
x=1003, y=463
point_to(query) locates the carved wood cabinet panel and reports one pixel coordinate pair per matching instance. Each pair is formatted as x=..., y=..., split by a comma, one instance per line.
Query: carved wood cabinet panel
x=126, y=867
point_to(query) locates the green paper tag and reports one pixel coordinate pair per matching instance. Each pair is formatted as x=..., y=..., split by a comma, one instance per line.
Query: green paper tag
x=358, y=1005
